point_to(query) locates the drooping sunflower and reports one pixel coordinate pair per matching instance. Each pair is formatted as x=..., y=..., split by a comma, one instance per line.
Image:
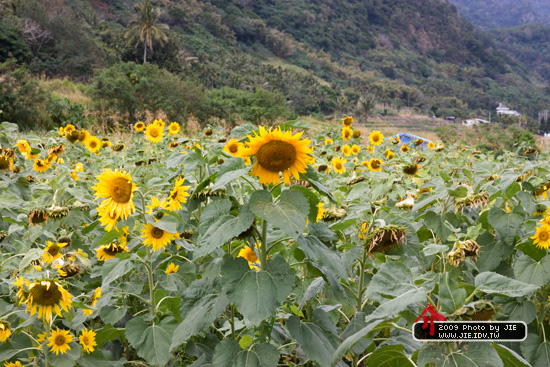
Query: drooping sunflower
x=347, y=121
x=320, y=211
x=355, y=149
x=5, y=330
x=118, y=246
x=73, y=136
x=431, y=145
x=59, y=341
x=418, y=142
x=250, y=256
x=173, y=128
x=6, y=159
x=117, y=189
x=139, y=126
x=93, y=144
x=47, y=296
x=156, y=237
x=346, y=133
x=346, y=149
x=375, y=165
x=92, y=302
x=52, y=251
x=172, y=268
x=542, y=236
x=107, y=218
x=24, y=147
x=328, y=141
x=278, y=152
x=178, y=195
x=234, y=148
x=69, y=128
x=404, y=148
x=338, y=164
x=411, y=169
x=356, y=134
x=87, y=339
x=83, y=136
x=38, y=215
x=389, y=154
x=41, y=165
x=376, y=137
x=154, y=133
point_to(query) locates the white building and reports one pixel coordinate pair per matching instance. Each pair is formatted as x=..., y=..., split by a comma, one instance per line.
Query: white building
x=502, y=110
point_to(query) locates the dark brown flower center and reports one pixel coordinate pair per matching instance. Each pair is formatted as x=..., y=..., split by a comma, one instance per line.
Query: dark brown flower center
x=157, y=232
x=375, y=164
x=154, y=133
x=4, y=163
x=121, y=190
x=60, y=340
x=338, y=165
x=53, y=250
x=543, y=236
x=233, y=148
x=45, y=297
x=276, y=156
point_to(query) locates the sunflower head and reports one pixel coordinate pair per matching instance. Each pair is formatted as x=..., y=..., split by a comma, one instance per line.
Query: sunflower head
x=356, y=134
x=322, y=168
x=208, y=132
x=71, y=270
x=333, y=214
x=278, y=152
x=404, y=148
x=73, y=136
x=338, y=165
x=56, y=150
x=328, y=141
x=156, y=237
x=346, y=149
x=355, y=149
x=139, y=126
x=385, y=238
x=542, y=236
x=461, y=250
x=172, y=268
x=418, y=142
x=250, y=255
x=375, y=165
x=347, y=121
x=173, y=128
x=154, y=132
x=481, y=310
x=431, y=145
x=389, y=154
x=5, y=330
x=92, y=301
x=234, y=148
x=58, y=212
x=87, y=340
x=119, y=147
x=107, y=252
x=38, y=216
x=411, y=169
x=117, y=189
x=59, y=341
x=376, y=138
x=3, y=235
x=6, y=159
x=41, y=165
x=347, y=133
x=48, y=296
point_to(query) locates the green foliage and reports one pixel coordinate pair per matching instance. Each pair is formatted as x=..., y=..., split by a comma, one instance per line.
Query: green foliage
x=12, y=44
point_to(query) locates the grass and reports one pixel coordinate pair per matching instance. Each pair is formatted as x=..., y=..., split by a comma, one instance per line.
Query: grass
x=65, y=88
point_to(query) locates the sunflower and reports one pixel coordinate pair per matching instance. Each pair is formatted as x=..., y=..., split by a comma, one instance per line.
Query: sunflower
x=411, y=169
x=346, y=149
x=109, y=220
x=328, y=141
x=156, y=206
x=83, y=136
x=105, y=144
x=375, y=165
x=5, y=330
x=376, y=137
x=356, y=134
x=234, y=148
x=542, y=237
x=118, y=246
x=78, y=168
x=431, y=145
x=364, y=228
x=73, y=136
x=59, y=341
x=154, y=133
x=139, y=126
x=404, y=148
x=53, y=250
x=92, y=302
x=56, y=150
x=156, y=237
x=389, y=154
x=346, y=133
x=320, y=211
x=93, y=144
x=47, y=295
x=41, y=165
x=250, y=255
x=178, y=195
x=338, y=164
x=172, y=268
x=6, y=159
x=173, y=128
x=13, y=364
x=355, y=149
x=118, y=190
x=160, y=123
x=347, y=121
x=208, y=132
x=370, y=149
x=119, y=147
x=395, y=140
x=278, y=152
x=38, y=216
x=418, y=142
x=87, y=339
x=24, y=147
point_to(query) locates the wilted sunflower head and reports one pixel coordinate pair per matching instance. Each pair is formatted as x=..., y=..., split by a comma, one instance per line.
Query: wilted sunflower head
x=38, y=216
x=334, y=214
x=6, y=159
x=119, y=147
x=420, y=160
x=73, y=136
x=56, y=150
x=356, y=180
x=322, y=168
x=47, y=295
x=411, y=169
x=71, y=270
x=418, y=142
x=3, y=235
x=472, y=200
x=58, y=212
x=356, y=134
x=461, y=250
x=174, y=144
x=482, y=310
x=385, y=238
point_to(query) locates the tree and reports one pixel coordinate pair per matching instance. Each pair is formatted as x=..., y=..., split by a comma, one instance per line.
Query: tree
x=365, y=107
x=144, y=28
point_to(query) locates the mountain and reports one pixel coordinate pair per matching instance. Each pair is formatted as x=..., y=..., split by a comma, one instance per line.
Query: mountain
x=486, y=14
x=320, y=55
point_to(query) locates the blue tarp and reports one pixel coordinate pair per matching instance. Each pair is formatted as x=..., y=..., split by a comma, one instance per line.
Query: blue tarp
x=409, y=139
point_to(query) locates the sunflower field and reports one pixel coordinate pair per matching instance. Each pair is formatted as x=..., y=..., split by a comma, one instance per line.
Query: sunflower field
x=266, y=246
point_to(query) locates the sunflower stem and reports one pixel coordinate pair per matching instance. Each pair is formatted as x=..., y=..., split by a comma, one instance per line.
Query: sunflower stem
x=149, y=265
x=263, y=246
x=232, y=321
x=361, y=281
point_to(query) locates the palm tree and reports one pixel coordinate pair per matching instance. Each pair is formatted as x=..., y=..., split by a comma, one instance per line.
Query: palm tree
x=365, y=107
x=144, y=28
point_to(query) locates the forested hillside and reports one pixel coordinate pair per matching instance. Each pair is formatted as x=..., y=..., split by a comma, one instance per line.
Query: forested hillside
x=256, y=60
